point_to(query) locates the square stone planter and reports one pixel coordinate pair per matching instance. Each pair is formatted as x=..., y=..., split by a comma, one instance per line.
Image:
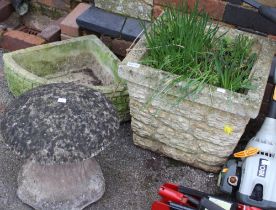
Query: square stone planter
x=84, y=60
x=194, y=130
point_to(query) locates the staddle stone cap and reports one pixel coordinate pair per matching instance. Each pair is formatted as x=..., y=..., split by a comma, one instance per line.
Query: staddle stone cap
x=60, y=123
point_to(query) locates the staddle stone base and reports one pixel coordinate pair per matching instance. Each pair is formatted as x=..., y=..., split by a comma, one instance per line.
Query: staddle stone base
x=70, y=186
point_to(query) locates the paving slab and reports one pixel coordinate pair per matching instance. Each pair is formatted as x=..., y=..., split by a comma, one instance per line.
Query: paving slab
x=143, y=8
x=100, y=21
x=132, y=28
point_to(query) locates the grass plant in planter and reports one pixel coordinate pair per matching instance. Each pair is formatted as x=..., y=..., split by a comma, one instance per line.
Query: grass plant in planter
x=194, y=85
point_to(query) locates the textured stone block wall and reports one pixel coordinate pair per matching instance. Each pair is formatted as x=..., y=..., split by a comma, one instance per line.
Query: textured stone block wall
x=58, y=4
x=192, y=133
x=56, y=8
x=65, y=5
x=135, y=8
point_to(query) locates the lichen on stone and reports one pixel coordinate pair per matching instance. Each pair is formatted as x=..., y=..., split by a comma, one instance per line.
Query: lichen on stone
x=36, y=125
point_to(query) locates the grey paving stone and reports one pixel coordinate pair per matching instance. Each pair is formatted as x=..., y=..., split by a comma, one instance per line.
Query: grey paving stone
x=100, y=21
x=132, y=28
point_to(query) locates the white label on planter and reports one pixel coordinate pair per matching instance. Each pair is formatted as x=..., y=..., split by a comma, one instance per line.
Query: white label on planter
x=62, y=100
x=134, y=65
x=221, y=90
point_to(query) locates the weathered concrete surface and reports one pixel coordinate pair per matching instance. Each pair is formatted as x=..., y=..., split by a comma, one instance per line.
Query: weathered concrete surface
x=58, y=187
x=184, y=138
x=60, y=132
x=36, y=21
x=143, y=8
x=78, y=60
x=5, y=95
x=193, y=130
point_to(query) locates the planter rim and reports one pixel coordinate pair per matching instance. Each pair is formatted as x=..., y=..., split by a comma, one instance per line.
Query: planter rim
x=242, y=104
x=9, y=61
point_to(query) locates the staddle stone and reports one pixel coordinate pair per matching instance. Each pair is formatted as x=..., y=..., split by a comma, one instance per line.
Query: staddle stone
x=71, y=186
x=58, y=128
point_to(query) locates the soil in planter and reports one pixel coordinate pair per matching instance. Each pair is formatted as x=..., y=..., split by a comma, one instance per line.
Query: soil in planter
x=82, y=68
x=83, y=76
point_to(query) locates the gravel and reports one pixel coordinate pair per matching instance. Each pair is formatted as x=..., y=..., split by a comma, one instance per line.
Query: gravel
x=133, y=175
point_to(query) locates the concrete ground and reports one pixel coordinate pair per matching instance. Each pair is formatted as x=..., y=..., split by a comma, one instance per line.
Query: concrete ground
x=133, y=175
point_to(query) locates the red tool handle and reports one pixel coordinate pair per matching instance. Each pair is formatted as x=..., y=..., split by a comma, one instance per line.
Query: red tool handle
x=243, y=207
x=173, y=197
x=170, y=195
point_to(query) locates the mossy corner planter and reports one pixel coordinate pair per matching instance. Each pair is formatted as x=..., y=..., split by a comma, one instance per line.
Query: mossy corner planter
x=194, y=130
x=84, y=60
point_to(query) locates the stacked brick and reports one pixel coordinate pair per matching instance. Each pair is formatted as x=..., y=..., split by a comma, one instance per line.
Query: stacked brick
x=69, y=26
x=5, y=9
x=70, y=29
x=15, y=40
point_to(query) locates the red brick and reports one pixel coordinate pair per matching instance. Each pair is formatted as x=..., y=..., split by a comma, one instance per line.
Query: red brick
x=58, y=21
x=69, y=25
x=5, y=9
x=215, y=8
x=15, y=40
x=157, y=11
x=51, y=33
x=273, y=37
x=120, y=47
x=166, y=2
